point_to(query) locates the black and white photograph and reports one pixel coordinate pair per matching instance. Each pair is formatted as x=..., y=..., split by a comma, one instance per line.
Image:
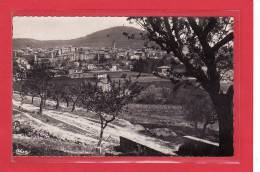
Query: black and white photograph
x=123, y=86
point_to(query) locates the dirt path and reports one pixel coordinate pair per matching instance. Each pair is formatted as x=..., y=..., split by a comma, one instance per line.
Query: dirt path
x=58, y=132
x=112, y=131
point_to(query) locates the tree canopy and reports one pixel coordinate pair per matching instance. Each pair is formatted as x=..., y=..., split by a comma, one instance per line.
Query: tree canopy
x=205, y=46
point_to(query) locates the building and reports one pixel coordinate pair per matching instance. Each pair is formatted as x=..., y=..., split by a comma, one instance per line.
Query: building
x=115, y=67
x=91, y=67
x=104, y=82
x=164, y=70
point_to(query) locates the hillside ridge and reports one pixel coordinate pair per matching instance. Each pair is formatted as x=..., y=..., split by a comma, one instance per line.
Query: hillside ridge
x=102, y=38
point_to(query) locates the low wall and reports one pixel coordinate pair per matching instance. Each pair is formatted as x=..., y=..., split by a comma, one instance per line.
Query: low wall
x=133, y=148
x=191, y=146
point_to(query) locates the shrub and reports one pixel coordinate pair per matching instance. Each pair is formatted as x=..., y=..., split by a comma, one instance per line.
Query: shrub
x=27, y=130
x=154, y=95
x=16, y=127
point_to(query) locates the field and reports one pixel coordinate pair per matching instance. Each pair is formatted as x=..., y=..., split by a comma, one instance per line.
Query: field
x=62, y=132
x=168, y=118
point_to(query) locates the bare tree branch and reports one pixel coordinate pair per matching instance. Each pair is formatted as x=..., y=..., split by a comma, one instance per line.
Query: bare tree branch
x=199, y=32
x=211, y=24
x=225, y=40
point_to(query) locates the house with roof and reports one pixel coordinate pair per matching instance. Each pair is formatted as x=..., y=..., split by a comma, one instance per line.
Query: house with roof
x=164, y=70
x=178, y=70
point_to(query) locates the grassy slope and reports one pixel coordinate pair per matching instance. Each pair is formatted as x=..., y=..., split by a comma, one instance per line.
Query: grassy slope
x=73, y=129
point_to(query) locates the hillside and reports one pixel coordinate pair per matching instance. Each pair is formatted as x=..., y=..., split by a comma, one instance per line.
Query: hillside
x=103, y=38
x=33, y=43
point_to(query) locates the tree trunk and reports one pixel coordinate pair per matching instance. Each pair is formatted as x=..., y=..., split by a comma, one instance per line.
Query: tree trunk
x=57, y=103
x=74, y=105
x=67, y=102
x=225, y=131
x=224, y=108
x=100, y=135
x=44, y=102
x=32, y=99
x=196, y=125
x=203, y=133
x=41, y=105
x=21, y=103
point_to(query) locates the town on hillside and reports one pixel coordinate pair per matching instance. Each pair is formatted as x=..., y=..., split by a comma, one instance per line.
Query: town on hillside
x=79, y=62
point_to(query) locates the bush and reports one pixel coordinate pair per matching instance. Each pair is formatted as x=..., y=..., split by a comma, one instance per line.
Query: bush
x=16, y=127
x=27, y=130
x=154, y=95
x=200, y=109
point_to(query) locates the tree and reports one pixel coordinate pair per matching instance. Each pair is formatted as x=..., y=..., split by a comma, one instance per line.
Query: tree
x=146, y=65
x=107, y=104
x=16, y=68
x=31, y=89
x=19, y=81
x=204, y=45
x=38, y=80
x=76, y=91
x=66, y=94
x=56, y=92
x=23, y=92
x=200, y=109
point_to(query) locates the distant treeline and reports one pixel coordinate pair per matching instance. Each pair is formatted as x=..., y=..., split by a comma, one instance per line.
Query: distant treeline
x=150, y=65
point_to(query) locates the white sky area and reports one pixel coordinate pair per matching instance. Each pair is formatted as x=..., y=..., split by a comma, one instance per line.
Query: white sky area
x=62, y=28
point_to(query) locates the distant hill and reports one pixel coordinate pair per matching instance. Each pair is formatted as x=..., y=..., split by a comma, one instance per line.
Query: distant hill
x=103, y=38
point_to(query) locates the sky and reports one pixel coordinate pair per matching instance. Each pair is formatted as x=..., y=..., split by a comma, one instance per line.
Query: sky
x=62, y=28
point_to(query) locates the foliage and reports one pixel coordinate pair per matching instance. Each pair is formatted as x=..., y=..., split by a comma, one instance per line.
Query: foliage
x=37, y=81
x=76, y=92
x=16, y=127
x=200, y=109
x=16, y=68
x=195, y=41
x=27, y=130
x=108, y=103
x=147, y=65
x=204, y=45
x=56, y=92
x=154, y=95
